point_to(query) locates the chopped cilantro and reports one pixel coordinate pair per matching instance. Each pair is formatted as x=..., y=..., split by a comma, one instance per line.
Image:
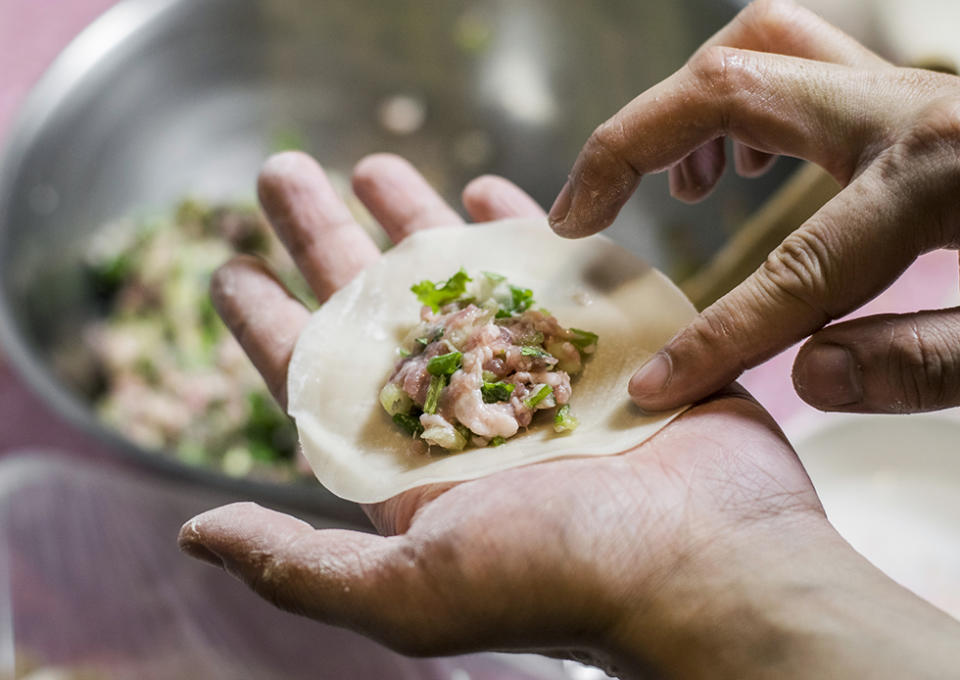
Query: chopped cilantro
x=110, y=274
x=408, y=423
x=434, y=296
x=520, y=301
x=497, y=441
x=522, y=298
x=496, y=391
x=437, y=383
x=403, y=352
x=436, y=335
x=264, y=422
x=582, y=339
x=538, y=396
x=563, y=421
x=445, y=364
x=530, y=351
x=494, y=277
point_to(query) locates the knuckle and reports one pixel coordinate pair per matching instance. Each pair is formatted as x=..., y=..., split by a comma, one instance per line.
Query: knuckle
x=925, y=159
x=716, y=68
x=712, y=331
x=800, y=269
x=922, y=369
x=936, y=130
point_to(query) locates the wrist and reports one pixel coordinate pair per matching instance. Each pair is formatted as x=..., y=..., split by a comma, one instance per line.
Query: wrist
x=783, y=601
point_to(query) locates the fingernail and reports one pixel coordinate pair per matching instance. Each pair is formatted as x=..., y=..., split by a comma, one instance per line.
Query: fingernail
x=561, y=206
x=829, y=376
x=652, y=377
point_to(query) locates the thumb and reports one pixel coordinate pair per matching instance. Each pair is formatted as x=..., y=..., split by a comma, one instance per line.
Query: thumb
x=883, y=364
x=364, y=582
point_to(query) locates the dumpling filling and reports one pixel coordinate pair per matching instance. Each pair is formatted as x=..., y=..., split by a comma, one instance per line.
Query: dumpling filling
x=482, y=363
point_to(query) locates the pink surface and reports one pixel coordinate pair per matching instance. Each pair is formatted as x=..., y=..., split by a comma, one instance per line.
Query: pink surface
x=32, y=33
x=930, y=283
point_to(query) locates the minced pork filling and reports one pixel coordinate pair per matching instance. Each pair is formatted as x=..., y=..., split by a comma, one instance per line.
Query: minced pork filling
x=481, y=364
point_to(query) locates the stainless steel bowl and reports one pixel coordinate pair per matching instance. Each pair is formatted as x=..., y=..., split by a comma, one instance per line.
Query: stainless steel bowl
x=163, y=98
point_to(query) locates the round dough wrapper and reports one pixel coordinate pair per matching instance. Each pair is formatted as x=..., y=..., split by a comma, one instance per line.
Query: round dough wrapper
x=349, y=348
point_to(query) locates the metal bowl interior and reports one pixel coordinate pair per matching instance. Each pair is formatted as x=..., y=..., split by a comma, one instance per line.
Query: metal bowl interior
x=161, y=99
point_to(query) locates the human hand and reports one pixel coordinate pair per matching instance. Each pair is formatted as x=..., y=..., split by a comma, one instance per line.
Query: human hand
x=691, y=554
x=571, y=554
x=779, y=80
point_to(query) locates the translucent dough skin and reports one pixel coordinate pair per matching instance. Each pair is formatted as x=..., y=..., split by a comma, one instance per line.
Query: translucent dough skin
x=348, y=350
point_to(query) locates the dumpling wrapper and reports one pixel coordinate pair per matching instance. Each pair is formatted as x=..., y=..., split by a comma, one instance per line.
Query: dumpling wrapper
x=349, y=348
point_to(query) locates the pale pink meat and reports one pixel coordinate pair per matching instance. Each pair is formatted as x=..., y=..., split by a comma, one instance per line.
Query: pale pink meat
x=492, y=346
x=487, y=420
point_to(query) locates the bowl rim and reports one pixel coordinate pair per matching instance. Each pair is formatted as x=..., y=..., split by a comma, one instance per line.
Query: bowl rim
x=119, y=25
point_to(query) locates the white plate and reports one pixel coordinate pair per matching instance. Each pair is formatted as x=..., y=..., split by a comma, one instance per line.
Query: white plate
x=891, y=487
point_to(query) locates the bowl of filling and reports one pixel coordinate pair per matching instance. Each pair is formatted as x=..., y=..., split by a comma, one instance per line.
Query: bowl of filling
x=129, y=177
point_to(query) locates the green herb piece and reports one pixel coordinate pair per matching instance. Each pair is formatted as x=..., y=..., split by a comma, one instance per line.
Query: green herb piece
x=563, y=421
x=437, y=383
x=496, y=391
x=265, y=421
x=403, y=352
x=497, y=441
x=445, y=364
x=464, y=431
x=520, y=301
x=522, y=298
x=582, y=339
x=536, y=352
x=489, y=376
x=538, y=396
x=434, y=296
x=436, y=335
x=494, y=277
x=211, y=327
x=110, y=274
x=408, y=423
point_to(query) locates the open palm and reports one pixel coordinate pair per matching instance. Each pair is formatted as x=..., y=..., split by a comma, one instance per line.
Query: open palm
x=574, y=554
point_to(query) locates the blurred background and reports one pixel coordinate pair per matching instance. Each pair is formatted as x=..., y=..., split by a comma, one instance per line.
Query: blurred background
x=133, y=134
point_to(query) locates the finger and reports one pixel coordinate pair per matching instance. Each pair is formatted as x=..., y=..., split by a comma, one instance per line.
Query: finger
x=883, y=364
x=695, y=176
x=327, y=244
x=776, y=104
x=364, y=582
x=399, y=197
x=749, y=162
x=491, y=198
x=265, y=318
x=819, y=273
x=784, y=27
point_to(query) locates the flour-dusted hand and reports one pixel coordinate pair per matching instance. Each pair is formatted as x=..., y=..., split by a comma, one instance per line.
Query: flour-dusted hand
x=697, y=554
x=779, y=80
